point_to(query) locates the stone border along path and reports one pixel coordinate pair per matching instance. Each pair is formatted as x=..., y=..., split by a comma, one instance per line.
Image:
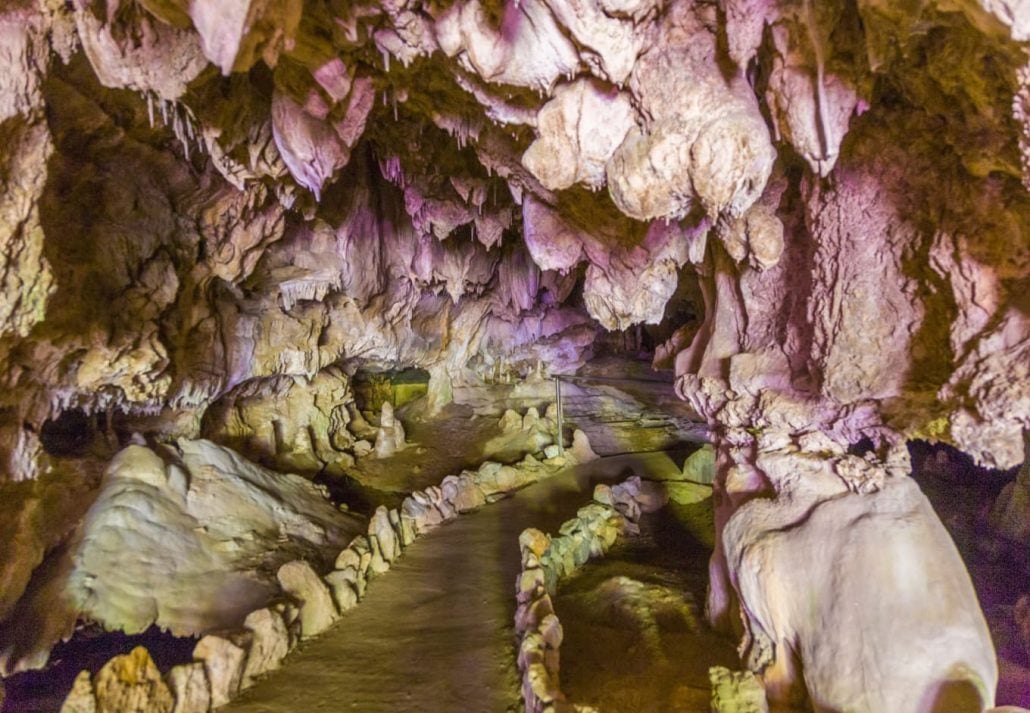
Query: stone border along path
x=546, y=560
x=227, y=663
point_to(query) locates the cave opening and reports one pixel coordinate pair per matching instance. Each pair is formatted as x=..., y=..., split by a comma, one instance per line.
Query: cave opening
x=68, y=435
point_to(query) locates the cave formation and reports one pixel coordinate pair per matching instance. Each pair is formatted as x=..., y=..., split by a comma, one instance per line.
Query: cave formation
x=742, y=287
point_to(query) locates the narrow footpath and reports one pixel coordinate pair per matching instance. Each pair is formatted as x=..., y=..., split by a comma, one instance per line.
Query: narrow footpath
x=435, y=632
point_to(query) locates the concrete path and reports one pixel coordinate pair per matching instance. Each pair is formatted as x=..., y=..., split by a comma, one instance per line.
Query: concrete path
x=435, y=633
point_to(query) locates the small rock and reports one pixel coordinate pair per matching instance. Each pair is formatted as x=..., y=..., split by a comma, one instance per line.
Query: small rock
x=189, y=686
x=394, y=516
x=342, y=584
x=552, y=451
x=269, y=645
x=510, y=422
x=542, y=684
x=531, y=419
x=468, y=495
x=700, y=465
x=131, y=683
x=736, y=691
x=381, y=527
x=581, y=449
x=528, y=616
x=551, y=630
x=529, y=584
x=81, y=698
x=362, y=448
x=347, y=558
x=422, y=512
x=534, y=541
x=290, y=614
x=378, y=565
x=223, y=662
x=407, y=532
x=317, y=611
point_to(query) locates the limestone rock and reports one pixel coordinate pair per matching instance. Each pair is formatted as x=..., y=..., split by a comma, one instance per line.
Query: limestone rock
x=736, y=691
x=699, y=467
x=814, y=531
x=581, y=449
x=190, y=688
x=132, y=683
x=342, y=584
x=223, y=662
x=81, y=698
x=348, y=557
x=579, y=130
x=381, y=527
x=317, y=611
x=268, y=646
x=511, y=422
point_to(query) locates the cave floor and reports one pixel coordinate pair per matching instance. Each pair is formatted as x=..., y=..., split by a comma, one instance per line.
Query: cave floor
x=634, y=621
x=435, y=632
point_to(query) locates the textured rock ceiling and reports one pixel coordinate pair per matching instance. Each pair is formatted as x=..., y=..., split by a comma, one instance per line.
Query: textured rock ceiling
x=201, y=194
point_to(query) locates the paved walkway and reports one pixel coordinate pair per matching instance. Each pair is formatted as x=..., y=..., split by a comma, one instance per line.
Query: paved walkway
x=435, y=633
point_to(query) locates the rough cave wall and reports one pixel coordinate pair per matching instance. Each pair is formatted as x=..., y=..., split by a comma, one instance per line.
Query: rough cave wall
x=202, y=200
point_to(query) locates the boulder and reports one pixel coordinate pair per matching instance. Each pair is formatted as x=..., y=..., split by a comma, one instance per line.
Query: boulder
x=270, y=642
x=190, y=688
x=317, y=611
x=223, y=662
x=131, y=683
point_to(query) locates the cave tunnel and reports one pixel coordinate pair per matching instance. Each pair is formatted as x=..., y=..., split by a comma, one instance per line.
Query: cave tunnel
x=419, y=357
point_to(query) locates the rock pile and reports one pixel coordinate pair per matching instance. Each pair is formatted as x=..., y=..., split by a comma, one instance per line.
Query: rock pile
x=546, y=560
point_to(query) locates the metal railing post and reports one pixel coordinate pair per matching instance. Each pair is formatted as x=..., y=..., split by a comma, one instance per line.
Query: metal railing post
x=560, y=438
